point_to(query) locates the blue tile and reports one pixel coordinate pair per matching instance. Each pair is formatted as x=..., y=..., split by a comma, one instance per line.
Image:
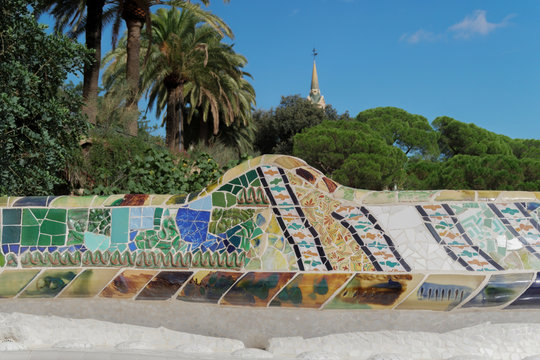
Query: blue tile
x=34, y=201
x=202, y=204
x=135, y=223
x=135, y=212
x=147, y=223
x=148, y=211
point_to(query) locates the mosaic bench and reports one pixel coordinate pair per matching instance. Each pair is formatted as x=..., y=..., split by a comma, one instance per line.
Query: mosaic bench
x=275, y=232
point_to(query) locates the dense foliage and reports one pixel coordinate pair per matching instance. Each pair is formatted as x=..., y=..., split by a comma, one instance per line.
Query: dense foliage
x=352, y=154
x=475, y=158
x=40, y=119
x=387, y=148
x=277, y=127
x=119, y=164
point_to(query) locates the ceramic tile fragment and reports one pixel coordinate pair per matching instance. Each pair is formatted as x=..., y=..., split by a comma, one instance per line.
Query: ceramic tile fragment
x=366, y=291
x=415, y=196
x=72, y=201
x=530, y=299
x=164, y=285
x=89, y=283
x=13, y=281
x=456, y=195
x=309, y=290
x=49, y=283
x=380, y=197
x=500, y=290
x=208, y=286
x=256, y=288
x=442, y=292
x=487, y=195
x=513, y=196
x=127, y=284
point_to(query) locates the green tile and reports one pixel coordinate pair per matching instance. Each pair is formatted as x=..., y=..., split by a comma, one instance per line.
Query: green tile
x=251, y=175
x=39, y=213
x=226, y=187
x=218, y=199
x=53, y=228
x=231, y=199
x=29, y=235
x=57, y=215
x=28, y=218
x=59, y=240
x=44, y=240
x=77, y=220
x=75, y=238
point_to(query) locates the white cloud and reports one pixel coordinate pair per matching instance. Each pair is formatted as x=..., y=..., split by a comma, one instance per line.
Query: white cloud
x=473, y=24
x=476, y=24
x=419, y=35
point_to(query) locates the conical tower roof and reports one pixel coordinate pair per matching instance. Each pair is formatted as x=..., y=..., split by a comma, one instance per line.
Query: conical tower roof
x=314, y=78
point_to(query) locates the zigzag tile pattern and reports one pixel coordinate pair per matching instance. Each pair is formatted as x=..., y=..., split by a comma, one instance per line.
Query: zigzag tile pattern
x=275, y=232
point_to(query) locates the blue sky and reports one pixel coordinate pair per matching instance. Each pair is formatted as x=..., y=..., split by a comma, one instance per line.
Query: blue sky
x=475, y=61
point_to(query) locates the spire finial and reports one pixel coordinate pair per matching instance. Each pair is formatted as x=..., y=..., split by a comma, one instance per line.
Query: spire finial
x=315, y=53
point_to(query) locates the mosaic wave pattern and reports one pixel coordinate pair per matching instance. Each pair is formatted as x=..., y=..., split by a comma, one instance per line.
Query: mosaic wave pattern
x=275, y=232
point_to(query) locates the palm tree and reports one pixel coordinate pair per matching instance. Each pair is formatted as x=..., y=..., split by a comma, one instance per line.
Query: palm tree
x=91, y=16
x=80, y=16
x=189, y=70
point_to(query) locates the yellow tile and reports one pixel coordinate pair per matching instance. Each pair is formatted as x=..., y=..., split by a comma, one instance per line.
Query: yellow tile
x=456, y=195
x=516, y=196
x=537, y=194
x=111, y=199
x=442, y=292
x=380, y=197
x=211, y=187
x=99, y=200
x=269, y=159
x=487, y=195
x=12, y=200
x=359, y=195
x=253, y=163
x=158, y=200
x=3, y=201
x=289, y=162
x=72, y=201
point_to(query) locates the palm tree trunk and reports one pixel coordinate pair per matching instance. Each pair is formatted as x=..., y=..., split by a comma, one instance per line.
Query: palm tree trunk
x=133, y=67
x=174, y=119
x=203, y=132
x=94, y=12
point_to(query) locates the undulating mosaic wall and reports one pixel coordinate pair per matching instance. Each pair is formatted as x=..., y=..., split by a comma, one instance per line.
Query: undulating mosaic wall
x=276, y=232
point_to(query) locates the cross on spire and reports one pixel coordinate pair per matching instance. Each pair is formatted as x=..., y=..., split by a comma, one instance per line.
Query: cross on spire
x=315, y=53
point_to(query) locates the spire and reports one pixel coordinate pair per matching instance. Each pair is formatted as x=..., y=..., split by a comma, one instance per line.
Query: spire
x=314, y=78
x=315, y=93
